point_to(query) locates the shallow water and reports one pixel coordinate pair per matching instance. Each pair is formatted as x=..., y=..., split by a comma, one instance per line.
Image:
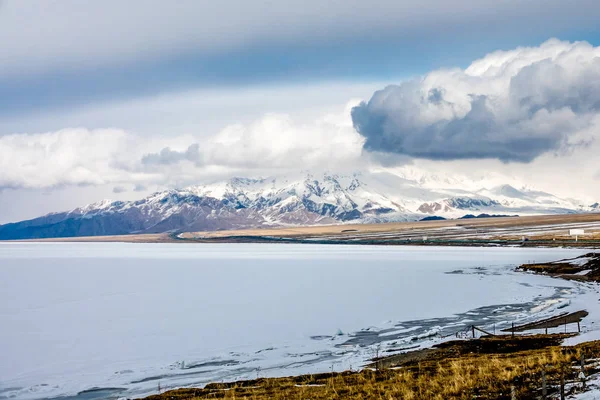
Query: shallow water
x=127, y=318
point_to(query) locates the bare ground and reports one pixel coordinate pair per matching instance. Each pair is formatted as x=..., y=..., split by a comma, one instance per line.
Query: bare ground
x=538, y=230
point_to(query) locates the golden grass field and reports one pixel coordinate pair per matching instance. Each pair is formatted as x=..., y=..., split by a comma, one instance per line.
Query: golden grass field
x=456, y=374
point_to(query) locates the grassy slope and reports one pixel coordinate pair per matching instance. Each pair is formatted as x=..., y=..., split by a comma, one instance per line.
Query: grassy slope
x=484, y=369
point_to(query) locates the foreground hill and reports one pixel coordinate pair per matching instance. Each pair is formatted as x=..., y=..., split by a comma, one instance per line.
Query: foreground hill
x=242, y=203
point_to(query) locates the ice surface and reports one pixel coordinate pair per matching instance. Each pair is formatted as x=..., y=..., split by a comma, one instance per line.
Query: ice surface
x=126, y=317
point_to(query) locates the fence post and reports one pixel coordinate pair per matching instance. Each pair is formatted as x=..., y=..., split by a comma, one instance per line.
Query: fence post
x=582, y=377
x=562, y=386
x=513, y=330
x=473, y=329
x=513, y=393
x=544, y=389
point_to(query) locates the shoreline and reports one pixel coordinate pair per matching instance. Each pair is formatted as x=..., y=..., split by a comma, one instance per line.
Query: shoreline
x=490, y=366
x=487, y=368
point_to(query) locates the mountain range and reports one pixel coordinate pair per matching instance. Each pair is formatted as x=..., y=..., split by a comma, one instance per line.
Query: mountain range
x=307, y=199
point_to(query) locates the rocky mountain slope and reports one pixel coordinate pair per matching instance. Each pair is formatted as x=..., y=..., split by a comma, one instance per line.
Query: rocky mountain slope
x=284, y=201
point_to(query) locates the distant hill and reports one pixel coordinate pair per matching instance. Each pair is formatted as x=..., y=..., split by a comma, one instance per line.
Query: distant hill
x=433, y=218
x=469, y=216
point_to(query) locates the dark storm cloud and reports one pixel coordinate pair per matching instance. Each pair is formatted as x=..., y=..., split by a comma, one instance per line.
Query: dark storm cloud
x=511, y=106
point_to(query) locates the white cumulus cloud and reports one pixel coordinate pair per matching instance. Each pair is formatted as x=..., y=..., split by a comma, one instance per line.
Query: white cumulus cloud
x=65, y=157
x=112, y=156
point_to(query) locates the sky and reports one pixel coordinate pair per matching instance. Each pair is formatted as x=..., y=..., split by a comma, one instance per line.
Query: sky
x=119, y=99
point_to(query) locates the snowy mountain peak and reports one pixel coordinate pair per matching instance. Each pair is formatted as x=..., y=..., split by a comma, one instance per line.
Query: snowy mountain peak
x=93, y=207
x=306, y=199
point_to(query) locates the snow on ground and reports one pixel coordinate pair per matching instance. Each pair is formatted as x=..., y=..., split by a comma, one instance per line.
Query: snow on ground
x=584, y=272
x=592, y=386
x=580, y=261
x=130, y=317
x=592, y=394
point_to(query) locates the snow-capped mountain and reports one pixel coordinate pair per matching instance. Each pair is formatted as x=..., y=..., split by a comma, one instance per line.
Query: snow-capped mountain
x=309, y=199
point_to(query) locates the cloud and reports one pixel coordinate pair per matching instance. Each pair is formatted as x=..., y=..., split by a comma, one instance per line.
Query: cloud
x=72, y=34
x=84, y=53
x=203, y=111
x=122, y=159
x=274, y=141
x=510, y=105
x=65, y=157
x=167, y=156
x=119, y=189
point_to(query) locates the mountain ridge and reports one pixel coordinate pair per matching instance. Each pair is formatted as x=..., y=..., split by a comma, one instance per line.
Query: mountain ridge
x=311, y=199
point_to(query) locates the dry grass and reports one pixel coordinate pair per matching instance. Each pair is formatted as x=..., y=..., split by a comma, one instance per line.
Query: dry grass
x=467, y=376
x=590, y=235
x=567, y=270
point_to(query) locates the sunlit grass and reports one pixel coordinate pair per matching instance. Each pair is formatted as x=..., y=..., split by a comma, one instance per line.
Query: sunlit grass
x=467, y=376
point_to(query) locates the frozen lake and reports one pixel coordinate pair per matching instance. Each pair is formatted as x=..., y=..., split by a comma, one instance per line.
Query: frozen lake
x=126, y=318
